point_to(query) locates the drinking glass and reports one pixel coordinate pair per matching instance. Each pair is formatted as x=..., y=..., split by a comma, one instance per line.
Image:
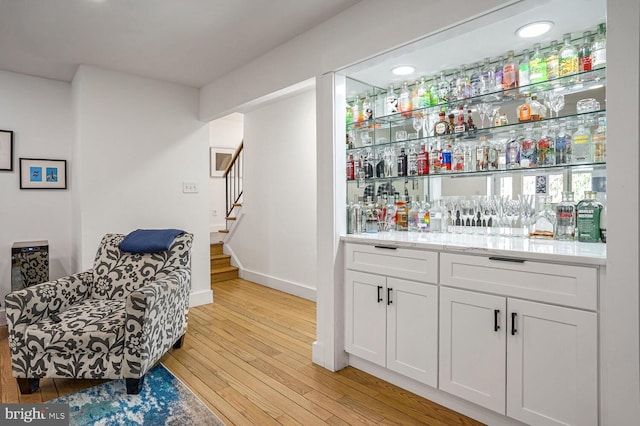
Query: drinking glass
x=484, y=108
x=555, y=101
x=401, y=135
x=418, y=123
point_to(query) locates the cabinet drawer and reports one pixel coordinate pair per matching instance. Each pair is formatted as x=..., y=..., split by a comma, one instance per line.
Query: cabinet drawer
x=418, y=265
x=575, y=286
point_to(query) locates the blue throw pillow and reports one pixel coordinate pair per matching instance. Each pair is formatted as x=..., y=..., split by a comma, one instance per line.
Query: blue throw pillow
x=149, y=240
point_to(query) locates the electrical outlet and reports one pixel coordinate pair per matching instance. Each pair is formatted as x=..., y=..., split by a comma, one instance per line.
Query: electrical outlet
x=189, y=187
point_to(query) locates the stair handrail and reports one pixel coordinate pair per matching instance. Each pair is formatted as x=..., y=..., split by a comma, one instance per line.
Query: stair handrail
x=233, y=179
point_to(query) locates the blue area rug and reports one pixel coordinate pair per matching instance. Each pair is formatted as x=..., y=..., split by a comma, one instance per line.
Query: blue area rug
x=164, y=400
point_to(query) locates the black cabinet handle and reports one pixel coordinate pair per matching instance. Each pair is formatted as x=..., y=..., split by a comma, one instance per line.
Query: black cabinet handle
x=496, y=312
x=386, y=247
x=389, y=301
x=379, y=293
x=513, y=323
x=507, y=259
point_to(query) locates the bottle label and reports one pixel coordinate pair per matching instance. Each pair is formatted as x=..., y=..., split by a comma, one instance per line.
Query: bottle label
x=598, y=57
x=525, y=113
x=537, y=70
x=580, y=139
x=441, y=128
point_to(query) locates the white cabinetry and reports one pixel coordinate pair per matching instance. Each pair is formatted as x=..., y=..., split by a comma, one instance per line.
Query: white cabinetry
x=532, y=361
x=391, y=320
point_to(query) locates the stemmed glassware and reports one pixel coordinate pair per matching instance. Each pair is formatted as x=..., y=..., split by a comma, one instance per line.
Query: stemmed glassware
x=484, y=108
x=418, y=123
x=555, y=101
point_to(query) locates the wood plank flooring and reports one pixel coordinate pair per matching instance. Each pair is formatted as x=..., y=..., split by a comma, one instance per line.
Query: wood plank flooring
x=248, y=357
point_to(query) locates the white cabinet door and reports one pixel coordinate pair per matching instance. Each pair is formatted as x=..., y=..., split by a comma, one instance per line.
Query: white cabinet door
x=552, y=365
x=412, y=330
x=365, y=316
x=473, y=347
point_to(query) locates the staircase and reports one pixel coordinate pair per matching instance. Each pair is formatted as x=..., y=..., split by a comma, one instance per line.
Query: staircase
x=221, y=269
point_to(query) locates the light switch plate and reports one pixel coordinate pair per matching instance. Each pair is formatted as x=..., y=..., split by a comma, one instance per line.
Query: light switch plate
x=189, y=187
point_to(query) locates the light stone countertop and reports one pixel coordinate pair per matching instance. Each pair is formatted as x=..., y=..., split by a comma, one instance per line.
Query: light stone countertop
x=592, y=254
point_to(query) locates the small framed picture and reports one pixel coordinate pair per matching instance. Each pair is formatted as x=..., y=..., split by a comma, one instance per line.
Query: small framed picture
x=219, y=159
x=43, y=174
x=6, y=150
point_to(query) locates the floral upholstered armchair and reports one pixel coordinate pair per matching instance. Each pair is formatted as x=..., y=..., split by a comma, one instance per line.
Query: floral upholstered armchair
x=110, y=322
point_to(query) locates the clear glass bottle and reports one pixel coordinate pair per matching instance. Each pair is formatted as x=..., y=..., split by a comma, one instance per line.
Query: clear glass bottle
x=552, y=60
x=469, y=158
x=599, y=141
x=488, y=77
x=463, y=84
x=458, y=158
x=581, y=145
x=356, y=216
x=356, y=110
x=482, y=154
x=367, y=108
x=391, y=101
x=568, y=57
x=422, y=92
x=563, y=145
x=402, y=215
x=390, y=214
x=498, y=75
x=434, y=157
x=588, y=218
x=538, y=110
x=402, y=163
x=413, y=216
x=599, y=48
x=537, y=66
x=424, y=214
x=423, y=161
x=370, y=217
x=404, y=100
x=524, y=110
x=543, y=226
x=433, y=92
x=513, y=151
x=545, y=147
x=528, y=154
x=477, y=84
x=412, y=161
x=566, y=217
x=584, y=52
x=524, y=72
x=436, y=214
x=510, y=72
x=443, y=90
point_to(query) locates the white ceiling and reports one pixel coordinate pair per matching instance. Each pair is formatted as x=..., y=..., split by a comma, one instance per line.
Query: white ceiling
x=191, y=42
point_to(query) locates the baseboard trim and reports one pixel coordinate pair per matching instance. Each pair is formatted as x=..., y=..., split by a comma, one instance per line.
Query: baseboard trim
x=295, y=289
x=198, y=298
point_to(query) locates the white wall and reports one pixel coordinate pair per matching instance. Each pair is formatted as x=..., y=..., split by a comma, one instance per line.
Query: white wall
x=225, y=132
x=39, y=113
x=137, y=140
x=274, y=240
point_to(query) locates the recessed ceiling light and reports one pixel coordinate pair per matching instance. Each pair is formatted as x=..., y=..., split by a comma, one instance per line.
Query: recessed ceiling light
x=403, y=70
x=534, y=29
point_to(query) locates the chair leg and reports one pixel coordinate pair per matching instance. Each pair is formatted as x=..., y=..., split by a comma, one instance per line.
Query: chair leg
x=28, y=386
x=178, y=344
x=134, y=386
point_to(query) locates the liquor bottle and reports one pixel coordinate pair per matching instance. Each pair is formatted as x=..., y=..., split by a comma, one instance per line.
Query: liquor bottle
x=493, y=156
x=552, y=60
x=441, y=127
x=390, y=214
x=443, y=90
x=412, y=161
x=599, y=141
x=356, y=110
x=370, y=217
x=563, y=145
x=351, y=171
x=488, y=77
x=482, y=154
x=524, y=72
x=599, y=48
x=349, y=112
x=568, y=57
x=500, y=147
x=422, y=91
x=423, y=161
x=510, y=72
x=356, y=216
x=404, y=100
x=584, y=53
x=461, y=126
x=413, y=216
x=588, y=220
x=445, y=158
x=545, y=148
x=391, y=101
x=434, y=100
x=367, y=165
x=581, y=145
x=458, y=158
x=424, y=215
x=538, y=111
x=469, y=160
x=566, y=217
x=389, y=162
x=402, y=163
x=524, y=110
x=477, y=84
x=528, y=155
x=513, y=151
x=434, y=157
x=471, y=127
x=463, y=85
x=367, y=108
x=537, y=66
x=436, y=215
x=451, y=123
x=498, y=75
x=402, y=215
x=544, y=221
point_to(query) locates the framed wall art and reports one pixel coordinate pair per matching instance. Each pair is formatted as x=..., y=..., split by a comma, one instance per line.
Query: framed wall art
x=43, y=174
x=6, y=150
x=219, y=160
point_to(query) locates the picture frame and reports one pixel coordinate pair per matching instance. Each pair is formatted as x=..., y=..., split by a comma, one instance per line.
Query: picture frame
x=36, y=173
x=219, y=159
x=6, y=150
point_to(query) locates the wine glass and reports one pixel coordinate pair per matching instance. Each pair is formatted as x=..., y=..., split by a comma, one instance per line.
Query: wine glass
x=483, y=109
x=418, y=123
x=555, y=101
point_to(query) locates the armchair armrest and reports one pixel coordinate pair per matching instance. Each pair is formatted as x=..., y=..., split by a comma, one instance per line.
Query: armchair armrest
x=156, y=316
x=32, y=304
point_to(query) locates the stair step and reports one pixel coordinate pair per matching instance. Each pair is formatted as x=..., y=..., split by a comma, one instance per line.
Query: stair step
x=224, y=273
x=215, y=248
x=220, y=260
x=230, y=218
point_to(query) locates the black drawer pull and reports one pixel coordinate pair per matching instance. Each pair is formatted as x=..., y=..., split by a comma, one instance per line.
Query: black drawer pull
x=507, y=259
x=513, y=323
x=496, y=312
x=386, y=247
x=379, y=293
x=389, y=301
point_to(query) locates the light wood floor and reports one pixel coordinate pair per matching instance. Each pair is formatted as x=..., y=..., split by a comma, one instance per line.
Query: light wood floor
x=248, y=357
